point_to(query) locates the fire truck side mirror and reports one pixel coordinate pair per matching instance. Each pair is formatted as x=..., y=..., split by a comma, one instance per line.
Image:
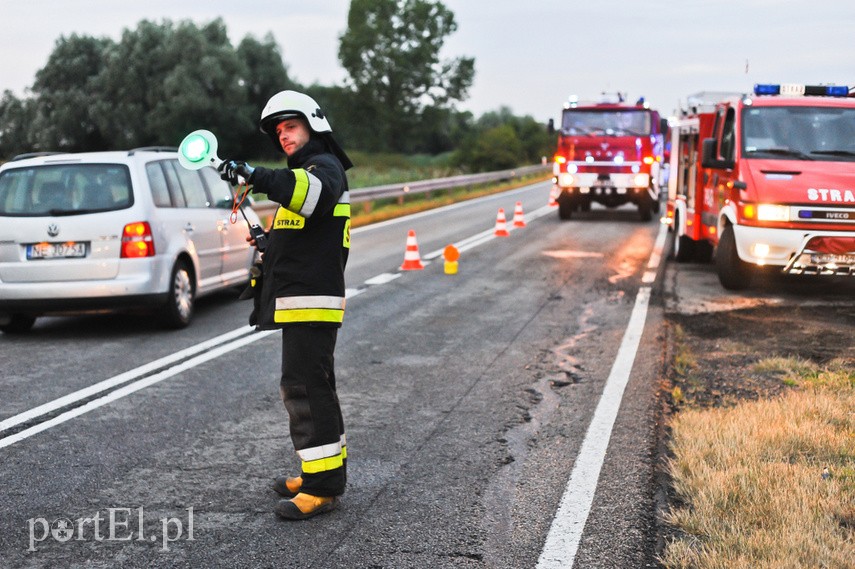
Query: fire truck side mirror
x=709, y=156
x=550, y=126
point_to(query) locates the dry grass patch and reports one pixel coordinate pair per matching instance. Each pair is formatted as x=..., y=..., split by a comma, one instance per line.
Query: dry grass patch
x=750, y=477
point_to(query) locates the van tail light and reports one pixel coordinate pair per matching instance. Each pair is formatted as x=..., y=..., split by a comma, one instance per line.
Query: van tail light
x=137, y=241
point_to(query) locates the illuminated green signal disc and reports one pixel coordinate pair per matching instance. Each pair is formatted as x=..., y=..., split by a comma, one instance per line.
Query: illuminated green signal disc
x=195, y=148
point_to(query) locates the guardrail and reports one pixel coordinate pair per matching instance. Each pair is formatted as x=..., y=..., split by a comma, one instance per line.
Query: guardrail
x=401, y=190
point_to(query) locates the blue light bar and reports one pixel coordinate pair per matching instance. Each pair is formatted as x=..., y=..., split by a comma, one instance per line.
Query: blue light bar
x=837, y=91
x=797, y=90
x=761, y=89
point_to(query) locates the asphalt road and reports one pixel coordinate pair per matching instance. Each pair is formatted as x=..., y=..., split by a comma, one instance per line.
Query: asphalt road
x=467, y=399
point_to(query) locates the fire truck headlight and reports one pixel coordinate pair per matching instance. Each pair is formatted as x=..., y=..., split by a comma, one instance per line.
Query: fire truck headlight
x=618, y=159
x=772, y=212
x=641, y=180
x=572, y=168
x=565, y=180
x=589, y=158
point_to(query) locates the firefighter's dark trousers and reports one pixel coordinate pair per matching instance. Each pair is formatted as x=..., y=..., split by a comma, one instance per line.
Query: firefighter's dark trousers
x=308, y=390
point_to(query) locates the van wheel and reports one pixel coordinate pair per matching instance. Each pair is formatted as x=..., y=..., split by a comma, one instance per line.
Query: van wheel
x=18, y=324
x=733, y=272
x=179, y=306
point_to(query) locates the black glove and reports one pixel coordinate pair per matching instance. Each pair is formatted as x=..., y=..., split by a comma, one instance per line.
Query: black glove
x=230, y=170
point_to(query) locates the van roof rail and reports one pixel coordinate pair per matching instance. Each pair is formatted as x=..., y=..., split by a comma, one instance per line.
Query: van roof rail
x=26, y=155
x=153, y=149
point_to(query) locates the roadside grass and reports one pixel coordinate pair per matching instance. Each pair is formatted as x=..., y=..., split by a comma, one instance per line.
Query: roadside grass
x=768, y=483
x=684, y=365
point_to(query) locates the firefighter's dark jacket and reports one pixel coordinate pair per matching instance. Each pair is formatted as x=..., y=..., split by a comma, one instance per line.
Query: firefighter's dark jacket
x=309, y=240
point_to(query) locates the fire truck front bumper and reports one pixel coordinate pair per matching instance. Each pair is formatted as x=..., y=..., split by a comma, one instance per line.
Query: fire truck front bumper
x=798, y=251
x=592, y=180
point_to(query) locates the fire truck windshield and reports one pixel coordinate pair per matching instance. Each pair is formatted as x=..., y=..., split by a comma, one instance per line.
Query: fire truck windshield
x=799, y=133
x=606, y=122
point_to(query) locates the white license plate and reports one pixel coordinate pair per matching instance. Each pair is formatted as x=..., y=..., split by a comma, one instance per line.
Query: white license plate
x=824, y=258
x=70, y=249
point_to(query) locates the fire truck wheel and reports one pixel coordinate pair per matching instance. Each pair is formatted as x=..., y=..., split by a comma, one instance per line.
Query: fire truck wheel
x=645, y=209
x=682, y=247
x=565, y=208
x=703, y=251
x=733, y=272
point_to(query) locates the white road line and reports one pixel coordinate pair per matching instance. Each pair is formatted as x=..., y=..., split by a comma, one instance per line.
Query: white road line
x=87, y=392
x=134, y=387
x=382, y=278
x=565, y=533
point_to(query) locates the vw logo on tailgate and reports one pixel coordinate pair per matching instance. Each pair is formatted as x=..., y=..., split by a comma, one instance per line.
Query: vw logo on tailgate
x=53, y=229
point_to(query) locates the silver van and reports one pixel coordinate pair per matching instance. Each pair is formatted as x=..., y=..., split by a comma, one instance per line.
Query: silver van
x=115, y=230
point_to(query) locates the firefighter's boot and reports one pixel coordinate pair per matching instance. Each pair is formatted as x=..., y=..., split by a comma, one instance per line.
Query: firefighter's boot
x=287, y=486
x=304, y=506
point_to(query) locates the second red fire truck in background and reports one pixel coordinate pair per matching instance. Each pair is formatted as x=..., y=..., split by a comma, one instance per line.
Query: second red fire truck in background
x=608, y=152
x=766, y=179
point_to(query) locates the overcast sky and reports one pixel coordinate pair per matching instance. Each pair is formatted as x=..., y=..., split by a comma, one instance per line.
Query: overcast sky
x=530, y=55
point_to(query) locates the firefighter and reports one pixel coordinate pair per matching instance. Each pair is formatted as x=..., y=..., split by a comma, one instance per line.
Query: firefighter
x=301, y=291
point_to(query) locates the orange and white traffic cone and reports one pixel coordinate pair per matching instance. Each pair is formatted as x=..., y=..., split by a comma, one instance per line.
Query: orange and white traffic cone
x=412, y=260
x=519, y=218
x=553, y=194
x=501, y=224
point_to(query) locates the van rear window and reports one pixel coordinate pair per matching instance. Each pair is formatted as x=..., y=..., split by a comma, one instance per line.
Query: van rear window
x=64, y=189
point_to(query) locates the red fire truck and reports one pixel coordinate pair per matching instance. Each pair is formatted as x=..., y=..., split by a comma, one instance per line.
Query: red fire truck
x=609, y=152
x=766, y=179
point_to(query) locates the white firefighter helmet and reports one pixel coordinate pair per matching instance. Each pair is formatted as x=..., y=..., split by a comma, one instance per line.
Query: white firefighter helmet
x=290, y=104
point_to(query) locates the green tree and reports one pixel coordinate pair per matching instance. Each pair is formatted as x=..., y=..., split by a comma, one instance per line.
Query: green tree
x=391, y=53
x=16, y=116
x=490, y=141
x=65, y=87
x=265, y=75
x=497, y=148
x=161, y=81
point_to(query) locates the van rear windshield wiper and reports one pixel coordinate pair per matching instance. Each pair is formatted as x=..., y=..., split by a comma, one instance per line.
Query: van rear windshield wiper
x=782, y=151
